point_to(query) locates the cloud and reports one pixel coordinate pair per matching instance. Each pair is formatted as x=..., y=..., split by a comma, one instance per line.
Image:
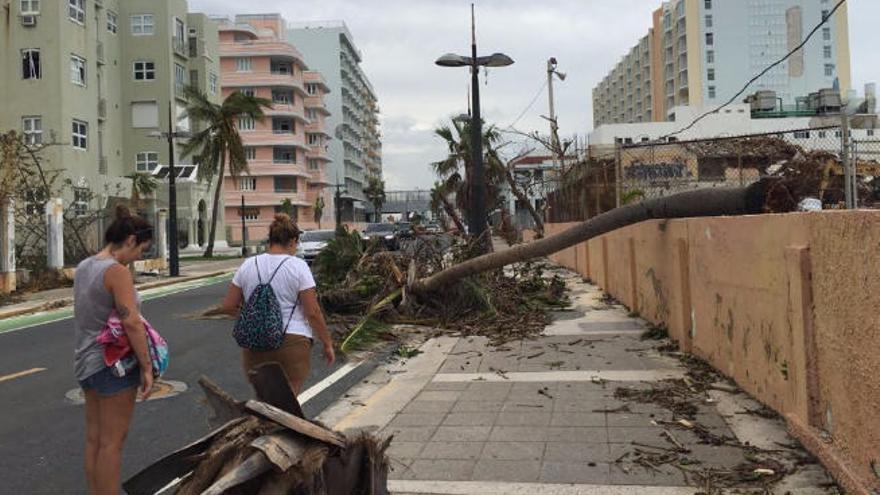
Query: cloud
x=400, y=39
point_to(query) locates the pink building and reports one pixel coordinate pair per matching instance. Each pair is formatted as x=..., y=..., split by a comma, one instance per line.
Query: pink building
x=286, y=151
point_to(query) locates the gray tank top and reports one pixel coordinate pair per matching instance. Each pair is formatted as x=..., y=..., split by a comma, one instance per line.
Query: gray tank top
x=91, y=308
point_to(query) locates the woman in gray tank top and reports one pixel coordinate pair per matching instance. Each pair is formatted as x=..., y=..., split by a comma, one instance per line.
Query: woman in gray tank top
x=103, y=283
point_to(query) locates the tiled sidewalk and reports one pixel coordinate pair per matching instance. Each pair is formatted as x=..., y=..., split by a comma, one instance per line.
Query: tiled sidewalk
x=540, y=416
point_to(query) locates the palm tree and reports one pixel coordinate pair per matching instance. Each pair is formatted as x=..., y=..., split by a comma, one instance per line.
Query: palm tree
x=143, y=185
x=375, y=192
x=455, y=170
x=440, y=201
x=220, y=140
x=318, y=210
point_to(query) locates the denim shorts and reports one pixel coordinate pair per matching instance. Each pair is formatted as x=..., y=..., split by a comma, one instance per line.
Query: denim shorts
x=105, y=383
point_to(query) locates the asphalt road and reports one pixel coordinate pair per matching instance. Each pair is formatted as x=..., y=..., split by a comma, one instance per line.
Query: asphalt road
x=42, y=432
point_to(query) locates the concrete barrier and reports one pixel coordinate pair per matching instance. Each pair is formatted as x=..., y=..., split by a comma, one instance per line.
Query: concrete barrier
x=786, y=305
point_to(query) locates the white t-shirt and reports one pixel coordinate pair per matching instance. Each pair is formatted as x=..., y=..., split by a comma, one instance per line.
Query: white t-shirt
x=293, y=277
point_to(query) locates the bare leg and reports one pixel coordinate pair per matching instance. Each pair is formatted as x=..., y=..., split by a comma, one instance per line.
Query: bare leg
x=115, y=414
x=92, y=428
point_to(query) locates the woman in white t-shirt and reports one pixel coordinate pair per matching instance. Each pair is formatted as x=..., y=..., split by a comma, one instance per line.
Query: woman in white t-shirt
x=294, y=287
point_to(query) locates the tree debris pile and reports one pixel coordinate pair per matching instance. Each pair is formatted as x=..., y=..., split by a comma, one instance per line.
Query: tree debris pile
x=371, y=284
x=266, y=446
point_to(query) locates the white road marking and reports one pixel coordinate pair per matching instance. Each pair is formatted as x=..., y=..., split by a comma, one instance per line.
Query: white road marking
x=326, y=382
x=507, y=488
x=564, y=376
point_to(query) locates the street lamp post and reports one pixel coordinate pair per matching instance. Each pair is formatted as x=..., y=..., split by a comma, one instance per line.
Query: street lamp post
x=554, y=125
x=477, y=213
x=173, y=248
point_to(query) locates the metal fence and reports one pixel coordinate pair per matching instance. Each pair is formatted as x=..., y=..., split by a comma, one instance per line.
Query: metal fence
x=650, y=170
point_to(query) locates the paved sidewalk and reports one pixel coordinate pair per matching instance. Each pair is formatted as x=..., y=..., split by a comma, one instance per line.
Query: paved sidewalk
x=542, y=416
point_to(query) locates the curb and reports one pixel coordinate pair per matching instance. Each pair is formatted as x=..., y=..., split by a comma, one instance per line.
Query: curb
x=67, y=301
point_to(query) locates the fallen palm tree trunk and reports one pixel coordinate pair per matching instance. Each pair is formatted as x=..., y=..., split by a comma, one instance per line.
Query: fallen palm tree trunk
x=767, y=195
x=266, y=447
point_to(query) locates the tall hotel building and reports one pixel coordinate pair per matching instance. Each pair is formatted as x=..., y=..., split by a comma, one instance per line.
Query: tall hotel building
x=701, y=52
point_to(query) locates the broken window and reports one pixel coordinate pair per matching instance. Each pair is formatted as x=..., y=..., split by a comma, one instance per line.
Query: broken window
x=77, y=70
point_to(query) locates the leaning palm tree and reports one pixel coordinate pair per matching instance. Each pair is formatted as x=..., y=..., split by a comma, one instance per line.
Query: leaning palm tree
x=143, y=185
x=219, y=140
x=455, y=170
x=440, y=201
x=375, y=193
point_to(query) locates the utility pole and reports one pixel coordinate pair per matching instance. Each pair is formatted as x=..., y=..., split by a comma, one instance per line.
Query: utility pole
x=173, y=254
x=554, y=126
x=847, y=162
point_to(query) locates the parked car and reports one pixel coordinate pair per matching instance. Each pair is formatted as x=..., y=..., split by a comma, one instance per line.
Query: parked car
x=383, y=232
x=433, y=228
x=312, y=242
x=404, y=230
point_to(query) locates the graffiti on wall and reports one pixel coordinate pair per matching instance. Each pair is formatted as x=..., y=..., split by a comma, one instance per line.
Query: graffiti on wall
x=657, y=171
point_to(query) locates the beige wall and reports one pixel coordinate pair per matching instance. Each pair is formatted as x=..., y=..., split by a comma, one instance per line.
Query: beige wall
x=786, y=305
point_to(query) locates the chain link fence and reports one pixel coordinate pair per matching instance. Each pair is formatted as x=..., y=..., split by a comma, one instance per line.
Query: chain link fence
x=651, y=170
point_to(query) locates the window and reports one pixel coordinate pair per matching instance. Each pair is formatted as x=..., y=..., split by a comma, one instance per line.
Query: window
x=829, y=69
x=870, y=132
x=179, y=39
x=77, y=70
x=194, y=79
x=246, y=123
x=707, y=4
x=826, y=33
x=30, y=7
x=824, y=15
x=30, y=64
x=312, y=89
x=802, y=135
x=243, y=64
x=711, y=92
x=76, y=10
x=311, y=113
x=314, y=165
x=250, y=153
x=710, y=56
x=708, y=21
x=112, y=22
x=822, y=134
x=142, y=24
x=80, y=201
x=32, y=128
x=80, y=134
x=146, y=161
x=193, y=44
x=179, y=77
x=212, y=80
x=710, y=74
x=283, y=126
x=248, y=91
x=249, y=214
x=314, y=139
x=144, y=70
x=247, y=184
x=710, y=39
x=284, y=155
x=826, y=51
x=285, y=184
x=282, y=97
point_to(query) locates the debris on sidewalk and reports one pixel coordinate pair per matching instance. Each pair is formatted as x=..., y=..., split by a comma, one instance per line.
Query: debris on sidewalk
x=267, y=446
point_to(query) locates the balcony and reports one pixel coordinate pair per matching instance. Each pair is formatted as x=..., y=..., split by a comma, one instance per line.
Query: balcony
x=286, y=110
x=263, y=78
x=265, y=198
x=264, y=168
x=266, y=137
x=257, y=48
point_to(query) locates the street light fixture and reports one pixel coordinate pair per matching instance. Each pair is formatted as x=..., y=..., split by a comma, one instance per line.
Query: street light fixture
x=170, y=136
x=477, y=213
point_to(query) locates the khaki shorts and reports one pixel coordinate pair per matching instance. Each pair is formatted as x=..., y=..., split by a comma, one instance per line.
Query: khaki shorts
x=294, y=356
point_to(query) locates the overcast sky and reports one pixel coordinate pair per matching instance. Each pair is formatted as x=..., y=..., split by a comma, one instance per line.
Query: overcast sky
x=400, y=39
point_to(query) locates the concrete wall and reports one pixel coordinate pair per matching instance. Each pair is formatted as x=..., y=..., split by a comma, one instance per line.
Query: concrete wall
x=786, y=305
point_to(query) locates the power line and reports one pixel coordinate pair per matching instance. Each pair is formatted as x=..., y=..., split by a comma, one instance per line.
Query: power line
x=531, y=103
x=825, y=19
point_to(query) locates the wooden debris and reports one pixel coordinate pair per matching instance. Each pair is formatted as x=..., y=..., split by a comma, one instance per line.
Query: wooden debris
x=268, y=449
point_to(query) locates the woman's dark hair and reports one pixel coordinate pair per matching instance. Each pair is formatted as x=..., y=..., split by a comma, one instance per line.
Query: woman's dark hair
x=283, y=230
x=125, y=224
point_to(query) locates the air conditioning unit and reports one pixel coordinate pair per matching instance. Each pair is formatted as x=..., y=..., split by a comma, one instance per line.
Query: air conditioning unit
x=29, y=20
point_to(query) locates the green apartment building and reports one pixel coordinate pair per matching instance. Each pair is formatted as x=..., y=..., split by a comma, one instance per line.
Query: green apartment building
x=96, y=79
